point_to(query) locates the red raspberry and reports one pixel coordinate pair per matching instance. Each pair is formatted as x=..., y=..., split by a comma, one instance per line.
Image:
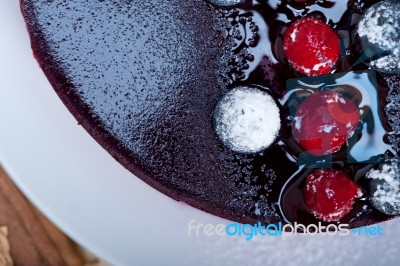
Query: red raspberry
x=324, y=121
x=311, y=47
x=330, y=194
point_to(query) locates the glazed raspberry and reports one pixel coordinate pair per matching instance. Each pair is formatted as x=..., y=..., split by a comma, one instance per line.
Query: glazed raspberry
x=324, y=121
x=311, y=47
x=330, y=194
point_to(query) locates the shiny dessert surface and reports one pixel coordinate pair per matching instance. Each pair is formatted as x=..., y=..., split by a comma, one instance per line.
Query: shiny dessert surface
x=144, y=79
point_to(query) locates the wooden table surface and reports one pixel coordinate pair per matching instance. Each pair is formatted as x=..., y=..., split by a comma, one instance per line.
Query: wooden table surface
x=28, y=238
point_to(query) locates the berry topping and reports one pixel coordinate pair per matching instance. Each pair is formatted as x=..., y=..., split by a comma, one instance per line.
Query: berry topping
x=330, y=194
x=311, y=47
x=379, y=34
x=247, y=120
x=324, y=121
x=384, y=187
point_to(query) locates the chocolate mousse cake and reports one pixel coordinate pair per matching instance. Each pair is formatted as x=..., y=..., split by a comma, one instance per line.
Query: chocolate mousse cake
x=260, y=110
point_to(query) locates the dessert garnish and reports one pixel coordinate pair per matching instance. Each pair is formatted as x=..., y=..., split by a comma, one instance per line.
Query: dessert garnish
x=384, y=187
x=379, y=35
x=311, y=47
x=324, y=121
x=330, y=194
x=247, y=120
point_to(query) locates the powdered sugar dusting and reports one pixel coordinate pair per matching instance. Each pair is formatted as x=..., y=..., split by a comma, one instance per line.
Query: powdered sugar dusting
x=329, y=193
x=386, y=187
x=247, y=120
x=379, y=27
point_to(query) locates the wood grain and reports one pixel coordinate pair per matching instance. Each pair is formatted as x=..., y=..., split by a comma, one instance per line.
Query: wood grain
x=33, y=239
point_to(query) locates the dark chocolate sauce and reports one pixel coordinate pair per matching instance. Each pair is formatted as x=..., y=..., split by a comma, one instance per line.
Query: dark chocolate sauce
x=258, y=29
x=143, y=78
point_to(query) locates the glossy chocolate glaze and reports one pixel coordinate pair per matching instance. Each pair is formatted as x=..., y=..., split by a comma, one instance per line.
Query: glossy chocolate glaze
x=143, y=78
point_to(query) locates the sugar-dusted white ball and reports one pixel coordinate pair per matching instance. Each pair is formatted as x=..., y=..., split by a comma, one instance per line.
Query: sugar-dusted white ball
x=379, y=33
x=247, y=120
x=384, y=187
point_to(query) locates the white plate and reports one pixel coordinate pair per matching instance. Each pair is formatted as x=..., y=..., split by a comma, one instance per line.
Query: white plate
x=105, y=208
